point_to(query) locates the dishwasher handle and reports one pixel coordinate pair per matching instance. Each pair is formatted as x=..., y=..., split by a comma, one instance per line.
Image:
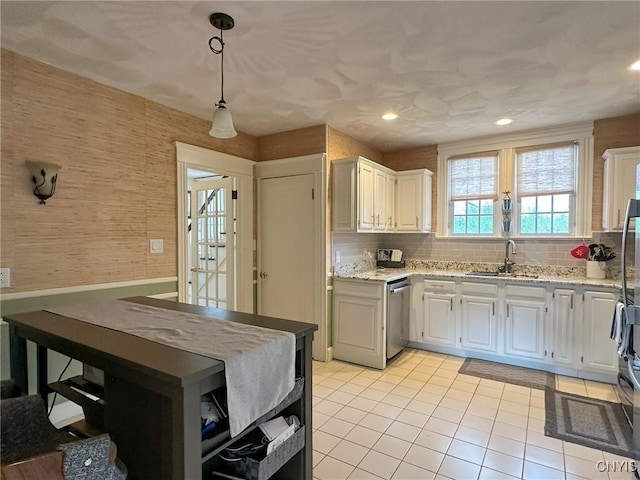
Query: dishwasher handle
x=398, y=289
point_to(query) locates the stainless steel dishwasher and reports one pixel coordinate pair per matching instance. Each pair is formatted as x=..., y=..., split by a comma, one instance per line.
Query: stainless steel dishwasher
x=398, y=301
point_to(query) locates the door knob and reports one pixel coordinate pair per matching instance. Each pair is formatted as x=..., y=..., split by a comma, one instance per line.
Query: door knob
x=194, y=269
x=263, y=275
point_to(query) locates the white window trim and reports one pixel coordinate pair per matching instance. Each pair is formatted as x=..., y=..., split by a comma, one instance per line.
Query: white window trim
x=581, y=132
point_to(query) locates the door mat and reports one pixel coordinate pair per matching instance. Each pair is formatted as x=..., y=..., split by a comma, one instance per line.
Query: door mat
x=589, y=422
x=526, y=377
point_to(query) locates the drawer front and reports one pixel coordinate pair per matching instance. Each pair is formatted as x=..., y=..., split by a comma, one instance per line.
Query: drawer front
x=440, y=286
x=359, y=288
x=522, y=291
x=479, y=288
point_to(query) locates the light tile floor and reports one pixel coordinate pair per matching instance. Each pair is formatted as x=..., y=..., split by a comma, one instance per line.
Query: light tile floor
x=420, y=419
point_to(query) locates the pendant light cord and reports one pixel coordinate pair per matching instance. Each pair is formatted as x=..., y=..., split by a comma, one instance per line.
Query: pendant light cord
x=221, y=52
x=221, y=68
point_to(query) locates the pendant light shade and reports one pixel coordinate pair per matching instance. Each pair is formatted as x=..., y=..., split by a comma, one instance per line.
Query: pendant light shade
x=222, y=124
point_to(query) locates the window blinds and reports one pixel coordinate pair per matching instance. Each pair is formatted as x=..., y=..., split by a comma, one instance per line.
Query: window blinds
x=474, y=176
x=546, y=170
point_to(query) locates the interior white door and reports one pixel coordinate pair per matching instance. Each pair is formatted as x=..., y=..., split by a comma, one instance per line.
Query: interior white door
x=212, y=244
x=287, y=236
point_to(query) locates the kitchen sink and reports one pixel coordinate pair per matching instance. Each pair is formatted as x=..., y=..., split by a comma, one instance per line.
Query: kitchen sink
x=502, y=275
x=484, y=274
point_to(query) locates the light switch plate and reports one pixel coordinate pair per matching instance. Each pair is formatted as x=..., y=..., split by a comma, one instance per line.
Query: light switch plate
x=156, y=246
x=5, y=277
x=338, y=257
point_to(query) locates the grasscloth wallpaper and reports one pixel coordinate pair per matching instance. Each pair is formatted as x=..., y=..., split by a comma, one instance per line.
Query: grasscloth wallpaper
x=117, y=186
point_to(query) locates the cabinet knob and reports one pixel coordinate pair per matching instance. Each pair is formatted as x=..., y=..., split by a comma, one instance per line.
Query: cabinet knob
x=263, y=275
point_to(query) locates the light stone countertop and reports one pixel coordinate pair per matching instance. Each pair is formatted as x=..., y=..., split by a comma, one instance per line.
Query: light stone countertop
x=528, y=276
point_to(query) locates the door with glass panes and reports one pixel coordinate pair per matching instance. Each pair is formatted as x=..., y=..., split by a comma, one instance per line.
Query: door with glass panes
x=212, y=243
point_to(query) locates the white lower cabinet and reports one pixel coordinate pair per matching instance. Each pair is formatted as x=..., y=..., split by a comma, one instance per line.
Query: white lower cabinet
x=358, y=322
x=525, y=314
x=562, y=328
x=439, y=322
x=599, y=353
x=478, y=318
x=439, y=313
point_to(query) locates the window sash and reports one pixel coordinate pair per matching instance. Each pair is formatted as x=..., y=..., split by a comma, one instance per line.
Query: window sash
x=473, y=177
x=571, y=211
x=546, y=170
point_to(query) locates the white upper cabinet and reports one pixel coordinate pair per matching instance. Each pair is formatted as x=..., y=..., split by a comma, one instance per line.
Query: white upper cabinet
x=413, y=201
x=619, y=185
x=391, y=202
x=344, y=205
x=360, y=197
x=368, y=197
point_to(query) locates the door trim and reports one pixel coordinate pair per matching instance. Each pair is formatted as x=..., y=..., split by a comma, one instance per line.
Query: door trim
x=316, y=165
x=198, y=158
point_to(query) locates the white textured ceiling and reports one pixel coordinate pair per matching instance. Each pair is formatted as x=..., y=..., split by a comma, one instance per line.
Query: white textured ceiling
x=449, y=69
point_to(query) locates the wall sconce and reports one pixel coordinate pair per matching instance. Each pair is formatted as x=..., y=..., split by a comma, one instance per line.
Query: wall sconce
x=222, y=124
x=44, y=177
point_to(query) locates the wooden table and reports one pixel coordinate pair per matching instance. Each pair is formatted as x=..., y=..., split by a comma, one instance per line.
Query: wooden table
x=152, y=391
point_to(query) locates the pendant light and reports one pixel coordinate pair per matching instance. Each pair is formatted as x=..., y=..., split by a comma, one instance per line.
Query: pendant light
x=222, y=123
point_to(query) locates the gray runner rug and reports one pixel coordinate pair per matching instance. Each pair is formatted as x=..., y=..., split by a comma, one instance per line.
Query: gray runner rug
x=588, y=421
x=526, y=377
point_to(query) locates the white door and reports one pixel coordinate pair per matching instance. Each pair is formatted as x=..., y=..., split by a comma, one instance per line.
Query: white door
x=408, y=203
x=379, y=200
x=563, y=343
x=358, y=323
x=287, y=253
x=479, y=327
x=598, y=350
x=439, y=319
x=366, y=214
x=525, y=329
x=212, y=244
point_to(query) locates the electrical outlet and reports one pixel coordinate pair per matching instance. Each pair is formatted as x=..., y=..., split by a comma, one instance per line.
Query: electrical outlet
x=5, y=277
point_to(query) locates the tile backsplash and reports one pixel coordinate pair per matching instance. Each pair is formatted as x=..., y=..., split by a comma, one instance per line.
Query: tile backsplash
x=415, y=246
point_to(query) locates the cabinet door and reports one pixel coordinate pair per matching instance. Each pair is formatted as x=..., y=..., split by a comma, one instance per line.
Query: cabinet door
x=619, y=185
x=563, y=328
x=479, y=326
x=365, y=197
x=524, y=332
x=391, y=195
x=426, y=203
x=358, y=330
x=343, y=207
x=379, y=200
x=416, y=314
x=598, y=350
x=408, y=203
x=439, y=319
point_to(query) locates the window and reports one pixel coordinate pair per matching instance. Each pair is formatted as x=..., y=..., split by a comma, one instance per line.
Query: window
x=473, y=191
x=547, y=172
x=545, y=189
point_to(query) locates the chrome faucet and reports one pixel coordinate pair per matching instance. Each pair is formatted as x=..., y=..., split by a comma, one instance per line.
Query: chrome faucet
x=507, y=261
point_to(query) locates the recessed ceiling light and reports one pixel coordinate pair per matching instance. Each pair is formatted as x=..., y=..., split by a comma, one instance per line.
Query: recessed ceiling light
x=635, y=66
x=390, y=116
x=504, y=121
